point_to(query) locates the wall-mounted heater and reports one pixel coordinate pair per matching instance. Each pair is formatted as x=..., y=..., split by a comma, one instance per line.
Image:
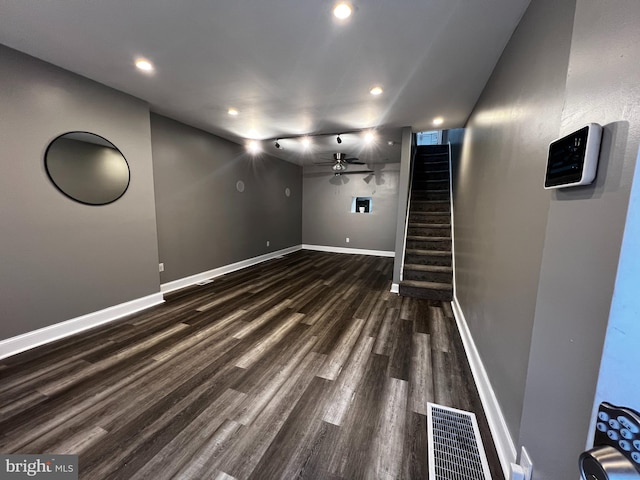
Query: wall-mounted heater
x=573, y=160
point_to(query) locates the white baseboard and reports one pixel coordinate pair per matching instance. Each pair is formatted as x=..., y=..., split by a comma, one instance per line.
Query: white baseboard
x=497, y=424
x=353, y=251
x=33, y=339
x=395, y=288
x=216, y=272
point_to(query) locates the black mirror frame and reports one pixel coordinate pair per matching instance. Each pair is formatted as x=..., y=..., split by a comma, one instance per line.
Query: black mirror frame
x=46, y=167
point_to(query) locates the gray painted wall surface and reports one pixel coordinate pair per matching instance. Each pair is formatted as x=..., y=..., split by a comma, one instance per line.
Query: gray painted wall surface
x=500, y=207
x=326, y=208
x=60, y=259
x=403, y=197
x=583, y=238
x=203, y=221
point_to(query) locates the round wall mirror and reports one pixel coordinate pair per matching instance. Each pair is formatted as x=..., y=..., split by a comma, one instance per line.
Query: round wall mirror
x=87, y=168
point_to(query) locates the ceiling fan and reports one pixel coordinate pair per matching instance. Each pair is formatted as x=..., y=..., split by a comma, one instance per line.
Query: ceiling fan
x=341, y=162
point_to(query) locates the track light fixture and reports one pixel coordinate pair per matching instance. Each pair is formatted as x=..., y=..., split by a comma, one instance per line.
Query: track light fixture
x=339, y=140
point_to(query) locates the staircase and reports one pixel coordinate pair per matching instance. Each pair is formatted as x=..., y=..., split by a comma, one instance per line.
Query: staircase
x=427, y=269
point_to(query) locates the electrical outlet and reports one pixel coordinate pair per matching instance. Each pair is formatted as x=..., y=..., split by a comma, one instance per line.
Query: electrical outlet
x=267, y=243
x=161, y=267
x=347, y=239
x=526, y=464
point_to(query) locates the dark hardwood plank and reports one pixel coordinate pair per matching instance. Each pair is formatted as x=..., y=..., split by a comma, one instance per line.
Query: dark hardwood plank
x=305, y=366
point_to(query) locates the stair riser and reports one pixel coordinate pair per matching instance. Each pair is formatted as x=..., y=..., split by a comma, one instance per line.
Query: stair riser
x=431, y=218
x=444, y=261
x=424, y=155
x=438, y=277
x=421, y=207
x=428, y=294
x=432, y=156
x=429, y=169
x=425, y=175
x=440, y=161
x=426, y=195
x=434, y=185
x=440, y=245
x=429, y=231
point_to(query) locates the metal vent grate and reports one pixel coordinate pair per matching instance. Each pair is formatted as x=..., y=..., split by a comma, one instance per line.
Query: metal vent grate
x=455, y=446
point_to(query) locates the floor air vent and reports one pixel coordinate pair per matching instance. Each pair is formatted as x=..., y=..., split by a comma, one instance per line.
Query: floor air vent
x=455, y=446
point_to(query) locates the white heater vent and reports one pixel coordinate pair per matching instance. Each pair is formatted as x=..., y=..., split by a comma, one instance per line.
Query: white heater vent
x=455, y=446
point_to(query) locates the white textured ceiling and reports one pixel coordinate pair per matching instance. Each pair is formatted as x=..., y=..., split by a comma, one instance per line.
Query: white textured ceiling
x=286, y=65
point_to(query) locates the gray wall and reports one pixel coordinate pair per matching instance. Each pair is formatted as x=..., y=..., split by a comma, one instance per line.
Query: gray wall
x=326, y=208
x=203, y=221
x=500, y=207
x=61, y=259
x=403, y=201
x=583, y=237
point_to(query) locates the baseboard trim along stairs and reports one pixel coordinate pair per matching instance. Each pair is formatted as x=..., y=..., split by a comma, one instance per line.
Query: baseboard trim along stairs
x=427, y=270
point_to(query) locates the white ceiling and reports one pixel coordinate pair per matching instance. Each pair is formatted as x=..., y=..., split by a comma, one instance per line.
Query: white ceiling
x=287, y=66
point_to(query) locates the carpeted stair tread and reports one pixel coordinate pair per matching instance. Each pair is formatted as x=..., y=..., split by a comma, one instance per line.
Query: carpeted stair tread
x=429, y=225
x=432, y=253
x=430, y=171
x=426, y=290
x=429, y=285
x=430, y=161
x=428, y=268
x=427, y=238
x=447, y=214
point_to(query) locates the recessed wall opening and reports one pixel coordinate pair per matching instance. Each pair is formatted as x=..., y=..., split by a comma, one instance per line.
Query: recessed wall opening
x=361, y=205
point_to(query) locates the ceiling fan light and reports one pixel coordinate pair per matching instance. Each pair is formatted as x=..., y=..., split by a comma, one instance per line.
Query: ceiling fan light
x=339, y=167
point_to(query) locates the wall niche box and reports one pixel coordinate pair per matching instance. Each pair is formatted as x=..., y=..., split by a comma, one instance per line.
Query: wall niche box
x=361, y=205
x=87, y=168
x=573, y=160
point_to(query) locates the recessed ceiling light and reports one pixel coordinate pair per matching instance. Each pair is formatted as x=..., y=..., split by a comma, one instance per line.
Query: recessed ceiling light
x=253, y=147
x=438, y=121
x=233, y=112
x=377, y=90
x=306, y=142
x=369, y=137
x=144, y=65
x=342, y=11
x=390, y=143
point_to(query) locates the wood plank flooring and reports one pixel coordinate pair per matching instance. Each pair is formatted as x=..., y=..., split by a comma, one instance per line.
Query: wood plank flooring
x=301, y=367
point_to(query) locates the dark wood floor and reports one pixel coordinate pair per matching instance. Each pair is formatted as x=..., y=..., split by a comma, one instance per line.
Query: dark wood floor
x=301, y=367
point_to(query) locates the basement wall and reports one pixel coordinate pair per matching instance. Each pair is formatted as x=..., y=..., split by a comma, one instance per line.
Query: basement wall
x=536, y=269
x=500, y=207
x=326, y=208
x=584, y=233
x=204, y=222
x=61, y=259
